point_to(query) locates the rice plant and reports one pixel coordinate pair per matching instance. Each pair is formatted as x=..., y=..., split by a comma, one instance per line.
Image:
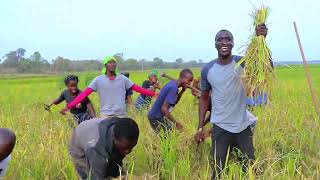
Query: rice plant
x=286, y=139
x=258, y=75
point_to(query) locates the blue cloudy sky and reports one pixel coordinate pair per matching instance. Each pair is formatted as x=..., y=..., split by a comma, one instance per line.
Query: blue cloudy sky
x=83, y=29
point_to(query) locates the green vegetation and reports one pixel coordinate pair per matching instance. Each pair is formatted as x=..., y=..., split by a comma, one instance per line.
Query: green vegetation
x=286, y=139
x=17, y=62
x=258, y=75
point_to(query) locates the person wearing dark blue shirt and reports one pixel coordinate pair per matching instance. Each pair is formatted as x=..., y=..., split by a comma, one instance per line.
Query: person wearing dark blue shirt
x=160, y=116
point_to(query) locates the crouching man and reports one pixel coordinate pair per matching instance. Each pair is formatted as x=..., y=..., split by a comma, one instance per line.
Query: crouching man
x=98, y=147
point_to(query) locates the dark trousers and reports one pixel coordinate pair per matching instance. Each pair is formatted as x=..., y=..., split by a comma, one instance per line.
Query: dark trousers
x=223, y=141
x=160, y=123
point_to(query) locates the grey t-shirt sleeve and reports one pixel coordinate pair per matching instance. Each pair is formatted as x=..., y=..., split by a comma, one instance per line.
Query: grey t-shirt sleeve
x=128, y=83
x=204, y=83
x=94, y=84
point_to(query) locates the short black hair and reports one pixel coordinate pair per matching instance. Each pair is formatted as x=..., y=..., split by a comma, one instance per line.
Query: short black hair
x=126, y=128
x=223, y=30
x=126, y=74
x=71, y=78
x=184, y=72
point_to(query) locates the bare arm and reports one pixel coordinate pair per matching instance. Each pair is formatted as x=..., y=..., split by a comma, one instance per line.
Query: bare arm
x=143, y=91
x=156, y=86
x=165, y=110
x=129, y=100
x=92, y=112
x=204, y=103
x=56, y=101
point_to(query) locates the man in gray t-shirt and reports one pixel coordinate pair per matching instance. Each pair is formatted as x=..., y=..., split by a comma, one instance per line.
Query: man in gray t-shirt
x=114, y=94
x=111, y=87
x=221, y=79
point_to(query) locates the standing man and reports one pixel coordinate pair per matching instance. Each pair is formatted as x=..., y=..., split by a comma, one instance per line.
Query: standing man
x=7, y=143
x=111, y=87
x=98, y=146
x=231, y=125
x=160, y=116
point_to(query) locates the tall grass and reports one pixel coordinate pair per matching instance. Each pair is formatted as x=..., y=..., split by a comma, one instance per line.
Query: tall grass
x=286, y=139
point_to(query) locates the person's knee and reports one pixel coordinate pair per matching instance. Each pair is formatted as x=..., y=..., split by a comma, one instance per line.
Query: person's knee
x=220, y=150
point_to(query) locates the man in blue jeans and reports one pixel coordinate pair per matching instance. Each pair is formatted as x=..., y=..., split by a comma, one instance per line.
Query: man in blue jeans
x=160, y=116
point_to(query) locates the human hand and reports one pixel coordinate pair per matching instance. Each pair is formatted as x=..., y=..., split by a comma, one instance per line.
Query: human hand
x=178, y=125
x=261, y=29
x=199, y=136
x=47, y=107
x=64, y=111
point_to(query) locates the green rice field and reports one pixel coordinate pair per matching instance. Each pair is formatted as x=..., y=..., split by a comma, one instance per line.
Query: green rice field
x=286, y=138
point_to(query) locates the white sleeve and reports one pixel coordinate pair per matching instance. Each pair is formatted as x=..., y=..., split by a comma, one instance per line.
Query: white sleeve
x=4, y=165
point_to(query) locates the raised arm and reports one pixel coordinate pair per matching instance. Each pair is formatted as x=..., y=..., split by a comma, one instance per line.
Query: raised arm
x=262, y=29
x=143, y=91
x=92, y=112
x=80, y=98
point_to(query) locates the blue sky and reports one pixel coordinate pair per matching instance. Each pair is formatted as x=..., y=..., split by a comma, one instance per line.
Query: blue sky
x=83, y=29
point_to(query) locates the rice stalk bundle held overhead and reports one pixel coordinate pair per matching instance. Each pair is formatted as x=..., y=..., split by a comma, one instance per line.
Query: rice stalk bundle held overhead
x=258, y=75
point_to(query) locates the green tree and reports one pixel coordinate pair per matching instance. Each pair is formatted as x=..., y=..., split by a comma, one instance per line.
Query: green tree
x=131, y=64
x=61, y=64
x=157, y=62
x=13, y=57
x=25, y=65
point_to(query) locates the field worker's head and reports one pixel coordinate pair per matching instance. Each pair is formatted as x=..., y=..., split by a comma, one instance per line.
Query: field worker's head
x=153, y=76
x=7, y=142
x=125, y=135
x=110, y=64
x=186, y=77
x=224, y=43
x=71, y=81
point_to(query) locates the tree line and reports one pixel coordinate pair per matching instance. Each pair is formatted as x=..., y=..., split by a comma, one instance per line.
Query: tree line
x=16, y=62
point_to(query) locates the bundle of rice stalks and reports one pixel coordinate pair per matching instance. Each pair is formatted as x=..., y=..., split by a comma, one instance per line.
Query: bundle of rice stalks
x=258, y=75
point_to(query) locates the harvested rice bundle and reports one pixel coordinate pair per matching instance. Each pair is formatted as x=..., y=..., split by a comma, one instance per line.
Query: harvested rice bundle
x=258, y=75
